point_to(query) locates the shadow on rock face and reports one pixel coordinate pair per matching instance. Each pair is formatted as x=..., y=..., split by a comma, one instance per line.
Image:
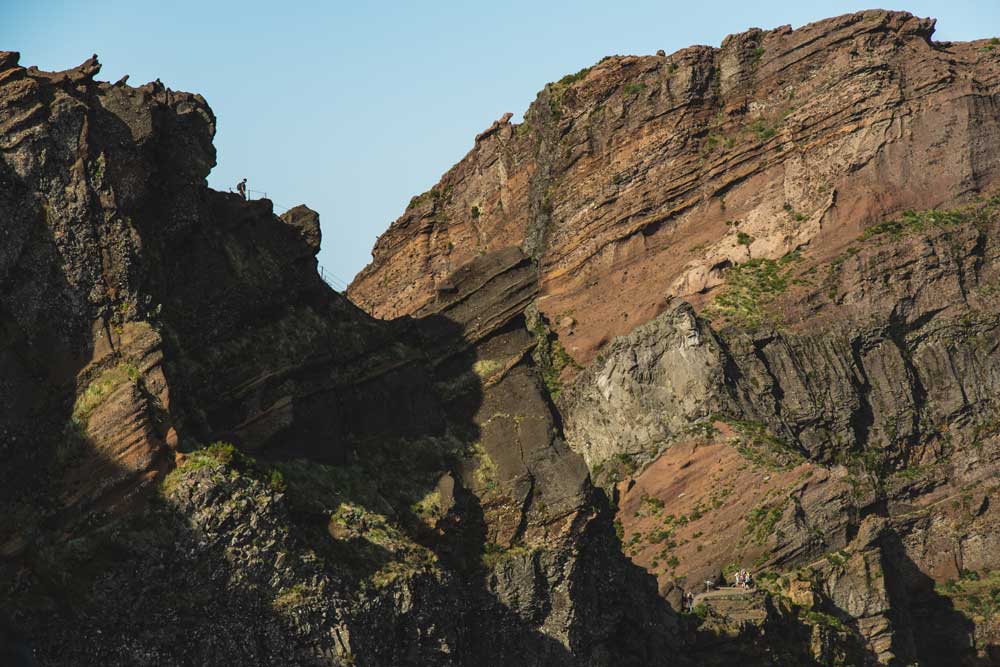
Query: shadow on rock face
x=398, y=493
x=15, y=650
x=935, y=632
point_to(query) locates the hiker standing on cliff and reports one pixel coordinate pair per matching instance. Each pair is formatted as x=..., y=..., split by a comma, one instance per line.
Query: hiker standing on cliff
x=241, y=187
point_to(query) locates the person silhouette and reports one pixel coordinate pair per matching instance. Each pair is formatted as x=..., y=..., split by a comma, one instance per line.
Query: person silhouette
x=241, y=188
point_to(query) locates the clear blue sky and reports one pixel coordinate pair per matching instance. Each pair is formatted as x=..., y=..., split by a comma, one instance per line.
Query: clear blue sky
x=354, y=107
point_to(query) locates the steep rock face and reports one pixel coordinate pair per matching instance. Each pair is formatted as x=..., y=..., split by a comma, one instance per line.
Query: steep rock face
x=415, y=501
x=869, y=391
x=646, y=387
x=889, y=343
x=788, y=387
x=644, y=177
x=762, y=355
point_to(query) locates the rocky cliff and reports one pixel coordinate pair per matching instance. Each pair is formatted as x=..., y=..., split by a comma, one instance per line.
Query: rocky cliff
x=766, y=295
x=645, y=177
x=727, y=308
x=213, y=458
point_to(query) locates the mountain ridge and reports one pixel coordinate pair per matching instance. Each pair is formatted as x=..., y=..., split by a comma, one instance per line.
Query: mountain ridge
x=726, y=309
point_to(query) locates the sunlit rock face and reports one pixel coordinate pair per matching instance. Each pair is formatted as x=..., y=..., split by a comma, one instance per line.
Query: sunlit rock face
x=766, y=284
x=725, y=309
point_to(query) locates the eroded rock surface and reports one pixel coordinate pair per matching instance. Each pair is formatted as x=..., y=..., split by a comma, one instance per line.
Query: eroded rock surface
x=645, y=177
x=677, y=323
x=766, y=311
x=413, y=500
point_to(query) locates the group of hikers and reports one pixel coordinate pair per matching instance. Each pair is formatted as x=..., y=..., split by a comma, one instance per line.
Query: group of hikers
x=744, y=580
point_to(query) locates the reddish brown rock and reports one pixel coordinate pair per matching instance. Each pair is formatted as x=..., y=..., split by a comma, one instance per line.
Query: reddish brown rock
x=634, y=180
x=642, y=182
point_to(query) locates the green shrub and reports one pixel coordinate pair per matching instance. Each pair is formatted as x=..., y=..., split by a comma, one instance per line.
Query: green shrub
x=549, y=355
x=618, y=467
x=749, y=287
x=655, y=503
x=826, y=620
x=294, y=596
x=102, y=387
x=762, y=129
x=912, y=222
x=277, y=481
x=836, y=558
x=762, y=520
x=570, y=79
x=702, y=429
x=556, y=90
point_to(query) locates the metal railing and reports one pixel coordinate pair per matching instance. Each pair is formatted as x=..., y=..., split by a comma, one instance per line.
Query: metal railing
x=330, y=278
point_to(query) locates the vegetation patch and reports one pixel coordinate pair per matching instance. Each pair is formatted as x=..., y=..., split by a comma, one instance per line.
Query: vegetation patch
x=836, y=558
x=369, y=519
x=634, y=88
x=294, y=596
x=100, y=388
x=759, y=446
x=704, y=430
x=570, y=79
x=975, y=594
x=218, y=455
x=430, y=507
x=915, y=222
x=549, y=355
x=748, y=290
x=762, y=519
x=762, y=129
x=814, y=617
x=615, y=469
x=487, y=474
x=487, y=368
x=795, y=215
x=716, y=140
x=558, y=89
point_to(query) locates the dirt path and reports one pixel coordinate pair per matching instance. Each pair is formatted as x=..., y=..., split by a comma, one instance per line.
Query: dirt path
x=724, y=593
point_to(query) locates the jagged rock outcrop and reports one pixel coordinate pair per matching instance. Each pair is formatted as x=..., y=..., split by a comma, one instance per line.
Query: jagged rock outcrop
x=413, y=501
x=688, y=278
x=306, y=221
x=646, y=388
